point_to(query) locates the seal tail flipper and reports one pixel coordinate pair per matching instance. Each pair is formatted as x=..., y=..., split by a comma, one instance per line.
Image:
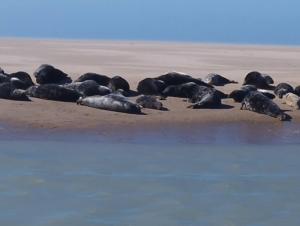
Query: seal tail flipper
x=285, y=117
x=79, y=101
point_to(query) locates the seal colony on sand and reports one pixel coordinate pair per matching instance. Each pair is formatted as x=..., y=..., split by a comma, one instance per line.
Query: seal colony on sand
x=114, y=93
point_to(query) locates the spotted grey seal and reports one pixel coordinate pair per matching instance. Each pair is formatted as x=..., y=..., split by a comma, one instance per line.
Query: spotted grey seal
x=102, y=80
x=178, y=78
x=47, y=74
x=217, y=80
x=150, y=102
x=151, y=86
x=291, y=100
x=282, y=89
x=111, y=102
x=53, y=92
x=259, y=103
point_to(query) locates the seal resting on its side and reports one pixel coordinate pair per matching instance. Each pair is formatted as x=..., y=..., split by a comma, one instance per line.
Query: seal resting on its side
x=257, y=102
x=47, y=74
x=23, y=77
x=282, y=89
x=150, y=102
x=240, y=94
x=208, y=98
x=102, y=80
x=291, y=100
x=217, y=80
x=111, y=102
x=8, y=90
x=88, y=88
x=151, y=86
x=53, y=92
x=177, y=78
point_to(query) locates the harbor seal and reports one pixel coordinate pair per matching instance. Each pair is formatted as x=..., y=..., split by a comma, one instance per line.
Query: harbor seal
x=257, y=79
x=53, y=92
x=111, y=102
x=178, y=78
x=259, y=103
x=217, y=80
x=282, y=89
x=291, y=100
x=102, y=80
x=47, y=74
x=151, y=86
x=88, y=88
x=118, y=82
x=150, y=102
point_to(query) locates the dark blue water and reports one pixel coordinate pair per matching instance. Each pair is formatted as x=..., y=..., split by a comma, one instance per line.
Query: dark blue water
x=155, y=178
x=231, y=21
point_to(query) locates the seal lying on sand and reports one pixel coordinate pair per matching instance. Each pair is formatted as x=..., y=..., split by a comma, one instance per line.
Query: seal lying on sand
x=257, y=79
x=23, y=77
x=53, y=92
x=208, y=98
x=9, y=91
x=47, y=74
x=150, y=102
x=282, y=89
x=151, y=86
x=291, y=100
x=188, y=90
x=88, y=88
x=217, y=80
x=240, y=94
x=118, y=82
x=257, y=102
x=177, y=78
x=111, y=102
x=102, y=80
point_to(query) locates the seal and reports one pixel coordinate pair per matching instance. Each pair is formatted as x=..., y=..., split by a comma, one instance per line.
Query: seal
x=23, y=77
x=269, y=80
x=208, y=98
x=178, y=78
x=297, y=91
x=259, y=103
x=9, y=91
x=282, y=89
x=151, y=86
x=47, y=74
x=53, y=92
x=239, y=95
x=102, y=80
x=111, y=102
x=217, y=80
x=150, y=102
x=189, y=90
x=118, y=82
x=88, y=88
x=291, y=100
x=257, y=79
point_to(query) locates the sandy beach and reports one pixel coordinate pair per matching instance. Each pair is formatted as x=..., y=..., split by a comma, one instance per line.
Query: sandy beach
x=134, y=61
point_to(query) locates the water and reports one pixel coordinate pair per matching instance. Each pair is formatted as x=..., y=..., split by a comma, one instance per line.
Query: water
x=93, y=181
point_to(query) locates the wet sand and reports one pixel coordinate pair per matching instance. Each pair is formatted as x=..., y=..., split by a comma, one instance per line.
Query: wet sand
x=135, y=61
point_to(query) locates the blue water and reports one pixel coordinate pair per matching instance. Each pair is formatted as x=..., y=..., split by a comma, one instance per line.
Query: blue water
x=54, y=179
x=231, y=21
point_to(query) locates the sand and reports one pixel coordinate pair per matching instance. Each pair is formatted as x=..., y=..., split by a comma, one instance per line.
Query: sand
x=136, y=60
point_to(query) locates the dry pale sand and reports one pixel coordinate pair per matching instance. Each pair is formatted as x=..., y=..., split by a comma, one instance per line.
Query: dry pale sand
x=134, y=61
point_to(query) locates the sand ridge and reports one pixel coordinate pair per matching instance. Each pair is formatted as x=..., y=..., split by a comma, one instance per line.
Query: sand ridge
x=135, y=61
